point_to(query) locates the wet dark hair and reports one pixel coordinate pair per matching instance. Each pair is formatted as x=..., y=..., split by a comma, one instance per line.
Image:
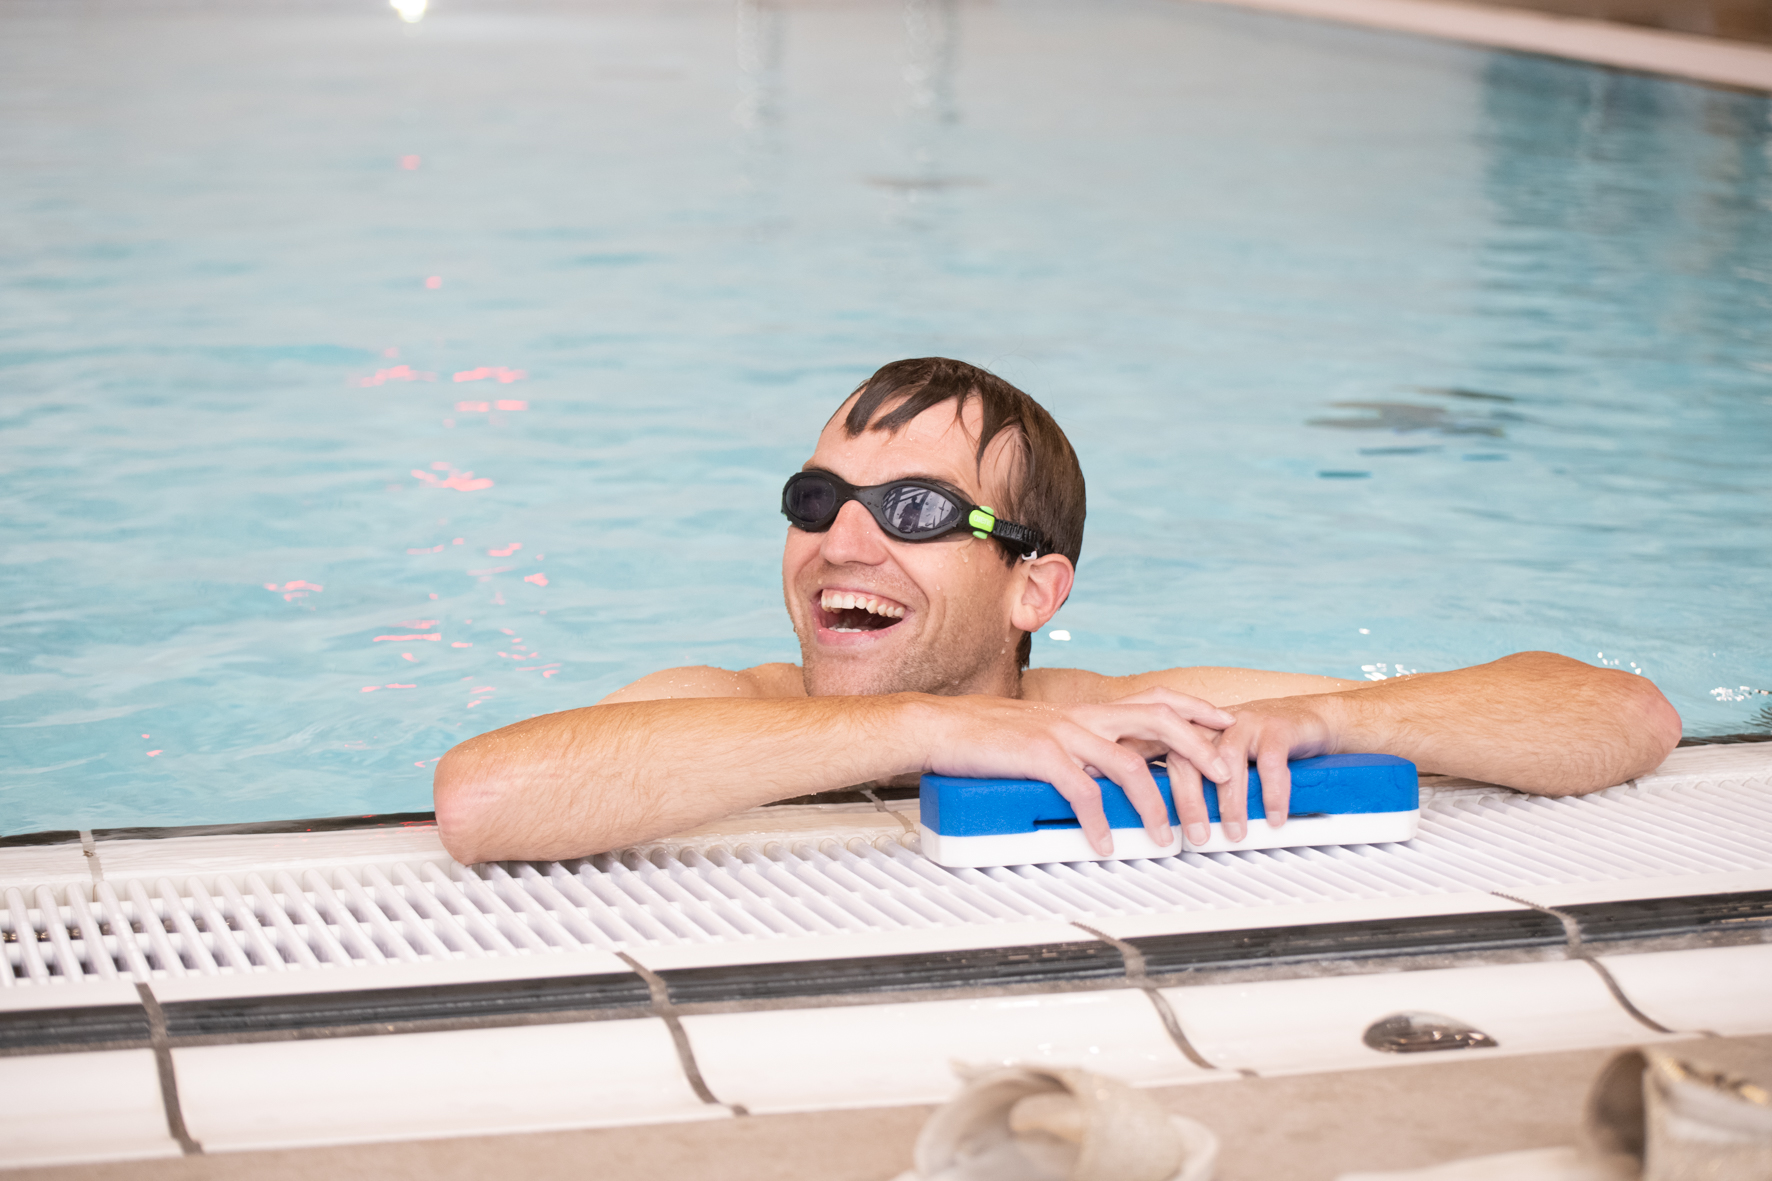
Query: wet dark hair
x=1046, y=481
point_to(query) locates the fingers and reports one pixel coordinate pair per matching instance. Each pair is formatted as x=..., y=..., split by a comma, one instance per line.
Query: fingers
x=1233, y=795
x=1276, y=780
x=1194, y=709
x=1133, y=774
x=1154, y=722
x=1190, y=800
x=1076, y=786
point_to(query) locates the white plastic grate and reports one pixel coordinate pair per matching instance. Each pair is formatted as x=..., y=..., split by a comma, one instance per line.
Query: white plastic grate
x=289, y=919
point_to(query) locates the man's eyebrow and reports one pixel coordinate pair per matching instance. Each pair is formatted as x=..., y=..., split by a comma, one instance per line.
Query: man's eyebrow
x=926, y=477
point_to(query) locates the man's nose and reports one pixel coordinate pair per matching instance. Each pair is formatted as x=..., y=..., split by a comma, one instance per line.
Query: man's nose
x=853, y=537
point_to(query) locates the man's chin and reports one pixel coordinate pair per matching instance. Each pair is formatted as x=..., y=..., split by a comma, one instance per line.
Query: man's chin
x=846, y=671
x=849, y=678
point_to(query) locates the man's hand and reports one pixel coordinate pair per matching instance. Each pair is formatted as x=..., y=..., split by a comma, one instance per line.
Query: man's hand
x=1268, y=734
x=1070, y=746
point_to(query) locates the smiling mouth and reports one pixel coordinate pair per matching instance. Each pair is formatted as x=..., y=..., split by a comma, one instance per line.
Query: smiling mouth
x=848, y=612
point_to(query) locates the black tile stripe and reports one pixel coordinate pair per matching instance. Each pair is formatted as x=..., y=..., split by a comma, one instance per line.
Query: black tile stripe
x=78, y=1026
x=1458, y=934
x=491, y=1001
x=1056, y=964
x=1652, y=918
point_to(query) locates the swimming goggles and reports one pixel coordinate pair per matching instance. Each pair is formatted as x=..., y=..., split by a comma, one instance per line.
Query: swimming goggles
x=910, y=510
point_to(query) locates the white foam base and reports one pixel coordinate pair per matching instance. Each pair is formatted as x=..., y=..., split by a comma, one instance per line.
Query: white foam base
x=1069, y=844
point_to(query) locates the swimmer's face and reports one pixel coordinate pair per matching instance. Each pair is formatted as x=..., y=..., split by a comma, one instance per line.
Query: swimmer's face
x=947, y=614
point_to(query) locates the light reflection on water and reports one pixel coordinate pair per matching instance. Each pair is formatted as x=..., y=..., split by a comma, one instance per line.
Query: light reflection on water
x=1379, y=353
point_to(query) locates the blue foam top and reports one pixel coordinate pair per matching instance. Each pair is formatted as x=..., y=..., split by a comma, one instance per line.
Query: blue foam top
x=1332, y=784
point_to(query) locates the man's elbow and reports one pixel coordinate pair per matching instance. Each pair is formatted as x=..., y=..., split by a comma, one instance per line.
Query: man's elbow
x=1657, y=724
x=466, y=806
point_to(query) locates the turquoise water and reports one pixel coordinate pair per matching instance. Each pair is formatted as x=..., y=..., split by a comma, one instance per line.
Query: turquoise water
x=1377, y=351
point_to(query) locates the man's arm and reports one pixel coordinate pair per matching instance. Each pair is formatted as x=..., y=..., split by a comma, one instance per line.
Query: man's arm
x=1535, y=721
x=686, y=746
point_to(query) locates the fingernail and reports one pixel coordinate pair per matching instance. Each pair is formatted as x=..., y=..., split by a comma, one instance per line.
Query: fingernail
x=1234, y=831
x=1198, y=834
x=1221, y=771
x=1105, y=846
x=1162, y=835
x=1276, y=820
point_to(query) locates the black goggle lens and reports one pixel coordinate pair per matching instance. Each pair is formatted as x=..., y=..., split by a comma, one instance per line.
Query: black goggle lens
x=809, y=500
x=915, y=511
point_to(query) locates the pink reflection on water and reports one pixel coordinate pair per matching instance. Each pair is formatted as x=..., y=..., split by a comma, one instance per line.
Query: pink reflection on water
x=497, y=373
x=459, y=644
x=434, y=282
x=506, y=552
x=431, y=636
x=472, y=407
x=538, y=579
x=397, y=373
x=409, y=656
x=292, y=591
x=460, y=481
x=399, y=686
x=511, y=404
x=435, y=549
x=422, y=762
x=152, y=753
x=421, y=624
x=410, y=163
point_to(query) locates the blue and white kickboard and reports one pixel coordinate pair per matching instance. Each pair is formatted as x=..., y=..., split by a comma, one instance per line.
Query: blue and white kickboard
x=1336, y=800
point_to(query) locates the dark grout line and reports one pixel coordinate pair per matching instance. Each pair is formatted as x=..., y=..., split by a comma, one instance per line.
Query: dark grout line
x=175, y=1116
x=663, y=1009
x=1137, y=977
x=90, y=849
x=1578, y=951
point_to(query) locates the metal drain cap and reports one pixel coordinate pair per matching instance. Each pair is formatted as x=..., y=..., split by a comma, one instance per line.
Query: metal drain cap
x=1415, y=1033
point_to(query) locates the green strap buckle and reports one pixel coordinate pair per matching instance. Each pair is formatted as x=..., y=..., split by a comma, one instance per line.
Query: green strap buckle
x=983, y=520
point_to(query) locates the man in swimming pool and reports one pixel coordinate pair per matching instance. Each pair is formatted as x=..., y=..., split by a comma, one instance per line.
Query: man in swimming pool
x=914, y=605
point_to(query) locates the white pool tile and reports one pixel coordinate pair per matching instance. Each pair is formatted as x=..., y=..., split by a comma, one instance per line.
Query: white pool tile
x=61, y=993
x=68, y=1108
x=880, y=1055
x=30, y=866
x=410, y=1086
x=1298, y=1026
x=1726, y=990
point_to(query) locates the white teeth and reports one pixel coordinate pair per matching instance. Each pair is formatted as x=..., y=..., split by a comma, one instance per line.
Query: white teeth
x=844, y=601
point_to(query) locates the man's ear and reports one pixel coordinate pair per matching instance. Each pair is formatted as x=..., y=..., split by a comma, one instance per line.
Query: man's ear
x=1044, y=584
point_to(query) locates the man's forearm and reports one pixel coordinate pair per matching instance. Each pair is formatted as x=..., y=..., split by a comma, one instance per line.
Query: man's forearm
x=1536, y=721
x=586, y=780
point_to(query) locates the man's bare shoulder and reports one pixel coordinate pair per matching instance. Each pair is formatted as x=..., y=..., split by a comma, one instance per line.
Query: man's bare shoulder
x=761, y=682
x=1220, y=686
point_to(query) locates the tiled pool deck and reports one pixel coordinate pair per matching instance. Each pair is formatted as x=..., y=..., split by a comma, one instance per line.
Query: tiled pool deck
x=1303, y=1128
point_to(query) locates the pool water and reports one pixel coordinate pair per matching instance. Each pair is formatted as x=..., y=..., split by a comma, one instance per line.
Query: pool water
x=364, y=385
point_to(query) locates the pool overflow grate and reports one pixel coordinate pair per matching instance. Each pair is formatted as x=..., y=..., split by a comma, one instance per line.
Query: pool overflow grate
x=279, y=920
